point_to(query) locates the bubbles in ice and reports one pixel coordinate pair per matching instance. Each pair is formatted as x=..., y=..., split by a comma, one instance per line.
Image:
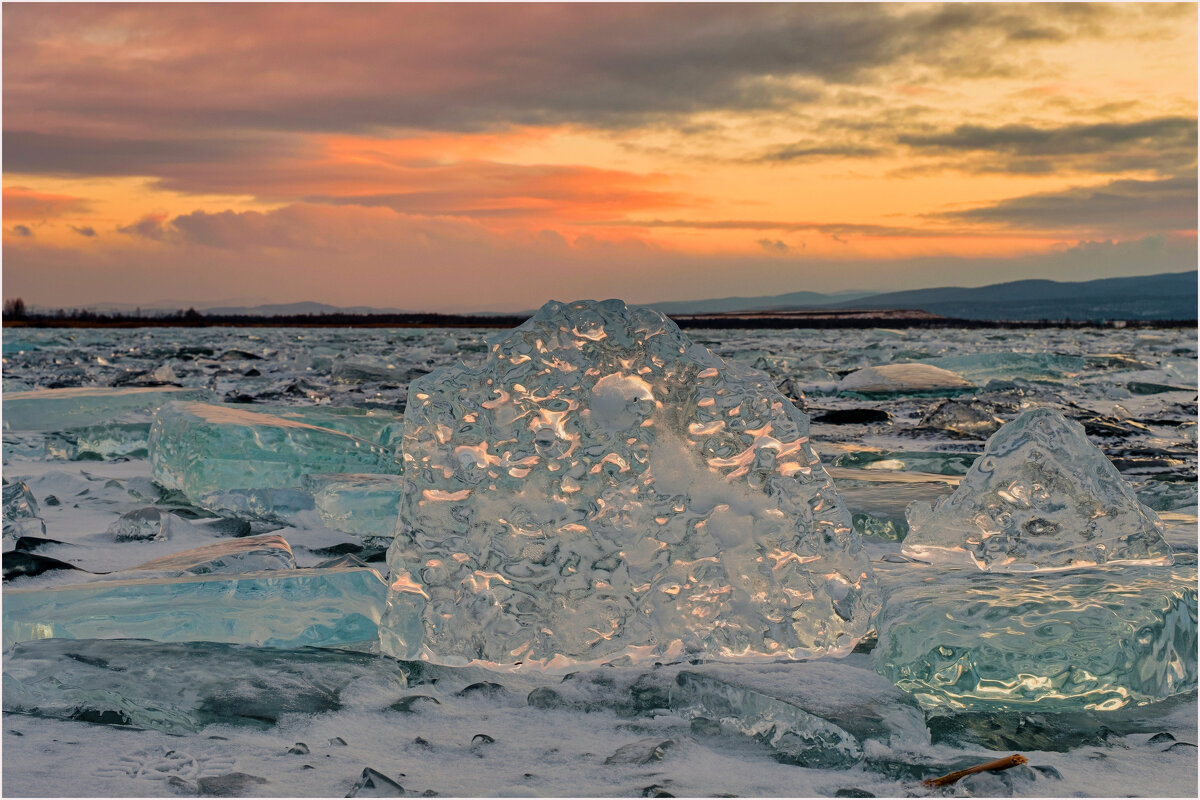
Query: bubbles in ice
x=1041, y=497
x=600, y=487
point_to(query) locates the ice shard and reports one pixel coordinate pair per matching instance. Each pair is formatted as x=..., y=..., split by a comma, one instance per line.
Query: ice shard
x=275, y=608
x=61, y=409
x=369, y=424
x=228, y=459
x=99, y=442
x=1041, y=497
x=248, y=554
x=902, y=379
x=602, y=487
x=366, y=505
x=180, y=688
x=1097, y=638
x=21, y=512
x=146, y=525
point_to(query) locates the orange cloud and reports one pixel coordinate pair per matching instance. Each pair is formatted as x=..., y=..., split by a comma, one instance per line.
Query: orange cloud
x=23, y=203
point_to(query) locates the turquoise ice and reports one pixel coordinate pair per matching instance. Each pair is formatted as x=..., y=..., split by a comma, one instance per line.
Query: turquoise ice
x=277, y=608
x=1098, y=638
x=230, y=459
x=365, y=505
x=62, y=409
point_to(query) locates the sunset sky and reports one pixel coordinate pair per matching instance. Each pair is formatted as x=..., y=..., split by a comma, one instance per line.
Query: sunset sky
x=461, y=157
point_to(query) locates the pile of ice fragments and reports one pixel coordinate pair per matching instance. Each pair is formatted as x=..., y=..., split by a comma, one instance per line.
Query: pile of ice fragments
x=599, y=489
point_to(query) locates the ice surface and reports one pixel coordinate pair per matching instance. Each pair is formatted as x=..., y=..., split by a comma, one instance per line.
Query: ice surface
x=372, y=425
x=894, y=379
x=60, y=409
x=1041, y=497
x=1090, y=638
x=366, y=505
x=602, y=487
x=932, y=463
x=180, y=688
x=248, y=554
x=228, y=459
x=278, y=608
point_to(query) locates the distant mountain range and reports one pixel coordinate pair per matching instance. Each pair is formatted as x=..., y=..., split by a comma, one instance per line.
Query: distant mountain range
x=1171, y=295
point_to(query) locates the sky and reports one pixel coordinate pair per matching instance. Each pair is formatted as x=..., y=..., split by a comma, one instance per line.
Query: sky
x=494, y=156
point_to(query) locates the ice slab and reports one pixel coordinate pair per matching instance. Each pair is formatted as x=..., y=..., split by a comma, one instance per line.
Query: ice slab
x=983, y=367
x=248, y=554
x=180, y=688
x=1041, y=497
x=366, y=505
x=229, y=459
x=907, y=461
x=369, y=424
x=897, y=379
x=796, y=736
x=1081, y=639
x=963, y=418
x=60, y=409
x=603, y=487
x=277, y=608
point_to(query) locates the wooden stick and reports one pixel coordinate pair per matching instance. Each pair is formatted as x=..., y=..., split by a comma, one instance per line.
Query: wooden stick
x=992, y=766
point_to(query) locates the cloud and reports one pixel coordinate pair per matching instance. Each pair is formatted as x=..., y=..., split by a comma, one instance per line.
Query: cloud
x=119, y=68
x=800, y=152
x=23, y=203
x=774, y=246
x=85, y=230
x=1165, y=144
x=22, y=230
x=152, y=227
x=1122, y=206
x=833, y=229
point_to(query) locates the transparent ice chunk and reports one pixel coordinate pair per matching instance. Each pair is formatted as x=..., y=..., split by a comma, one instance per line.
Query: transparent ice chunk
x=229, y=459
x=1072, y=640
x=366, y=505
x=898, y=379
x=369, y=424
x=21, y=512
x=602, y=487
x=99, y=442
x=146, y=525
x=1041, y=497
x=277, y=608
x=248, y=554
x=180, y=688
x=60, y=409
x=962, y=418
x=796, y=736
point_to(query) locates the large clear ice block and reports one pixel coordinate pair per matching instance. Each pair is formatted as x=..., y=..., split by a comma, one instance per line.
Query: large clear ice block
x=229, y=459
x=1041, y=497
x=603, y=487
x=276, y=608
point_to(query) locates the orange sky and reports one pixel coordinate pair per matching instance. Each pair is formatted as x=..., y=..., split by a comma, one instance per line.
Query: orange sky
x=454, y=156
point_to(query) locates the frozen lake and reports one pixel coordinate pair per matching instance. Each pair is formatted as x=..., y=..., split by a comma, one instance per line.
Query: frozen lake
x=607, y=731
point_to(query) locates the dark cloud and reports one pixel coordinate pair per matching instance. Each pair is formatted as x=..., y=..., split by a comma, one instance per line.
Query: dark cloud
x=1027, y=140
x=336, y=67
x=86, y=230
x=151, y=226
x=22, y=230
x=1124, y=206
x=801, y=152
x=775, y=246
x=833, y=229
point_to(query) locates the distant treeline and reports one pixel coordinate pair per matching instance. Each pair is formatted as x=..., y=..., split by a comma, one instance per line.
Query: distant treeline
x=16, y=315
